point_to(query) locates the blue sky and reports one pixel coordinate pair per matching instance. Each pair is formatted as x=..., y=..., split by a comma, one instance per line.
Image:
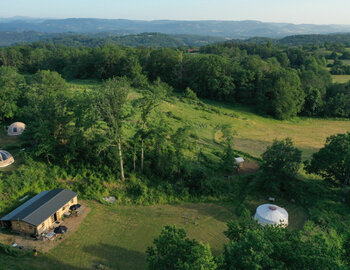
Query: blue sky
x=294, y=11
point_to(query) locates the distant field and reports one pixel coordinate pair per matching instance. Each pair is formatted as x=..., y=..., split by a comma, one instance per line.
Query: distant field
x=254, y=132
x=341, y=78
x=346, y=62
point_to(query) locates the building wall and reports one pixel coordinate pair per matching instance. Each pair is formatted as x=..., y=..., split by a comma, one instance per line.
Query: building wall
x=48, y=224
x=21, y=226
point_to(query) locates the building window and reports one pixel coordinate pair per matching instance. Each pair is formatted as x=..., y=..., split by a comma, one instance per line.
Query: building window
x=43, y=224
x=63, y=208
x=72, y=201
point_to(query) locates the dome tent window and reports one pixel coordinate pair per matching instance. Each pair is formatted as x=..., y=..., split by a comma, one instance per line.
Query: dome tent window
x=16, y=129
x=6, y=159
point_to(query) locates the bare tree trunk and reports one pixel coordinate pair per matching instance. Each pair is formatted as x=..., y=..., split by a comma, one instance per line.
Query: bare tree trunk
x=134, y=157
x=121, y=160
x=142, y=155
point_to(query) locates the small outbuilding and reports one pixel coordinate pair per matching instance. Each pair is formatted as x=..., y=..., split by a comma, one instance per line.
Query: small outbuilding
x=270, y=214
x=6, y=159
x=239, y=161
x=40, y=213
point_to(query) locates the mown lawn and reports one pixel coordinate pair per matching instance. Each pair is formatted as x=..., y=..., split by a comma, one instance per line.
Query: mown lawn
x=117, y=236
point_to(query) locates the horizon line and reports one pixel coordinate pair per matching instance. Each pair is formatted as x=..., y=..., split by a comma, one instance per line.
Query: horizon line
x=177, y=20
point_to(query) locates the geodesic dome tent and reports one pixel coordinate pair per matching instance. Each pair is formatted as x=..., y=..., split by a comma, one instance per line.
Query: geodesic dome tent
x=16, y=129
x=270, y=214
x=6, y=159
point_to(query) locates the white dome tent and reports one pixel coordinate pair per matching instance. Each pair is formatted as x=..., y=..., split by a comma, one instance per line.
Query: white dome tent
x=16, y=129
x=270, y=214
x=6, y=159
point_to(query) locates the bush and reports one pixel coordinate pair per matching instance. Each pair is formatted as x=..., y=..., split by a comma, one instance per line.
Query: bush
x=12, y=251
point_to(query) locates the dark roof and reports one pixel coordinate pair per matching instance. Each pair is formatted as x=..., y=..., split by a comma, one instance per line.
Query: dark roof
x=39, y=208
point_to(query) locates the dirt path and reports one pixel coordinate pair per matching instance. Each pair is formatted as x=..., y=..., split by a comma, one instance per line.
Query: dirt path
x=248, y=167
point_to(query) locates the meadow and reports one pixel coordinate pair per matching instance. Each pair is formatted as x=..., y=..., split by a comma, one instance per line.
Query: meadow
x=253, y=132
x=117, y=235
x=341, y=78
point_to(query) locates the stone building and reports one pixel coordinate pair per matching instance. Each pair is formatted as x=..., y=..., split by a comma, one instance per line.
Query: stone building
x=40, y=213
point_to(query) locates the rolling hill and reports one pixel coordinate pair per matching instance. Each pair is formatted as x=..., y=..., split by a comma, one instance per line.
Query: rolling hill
x=226, y=29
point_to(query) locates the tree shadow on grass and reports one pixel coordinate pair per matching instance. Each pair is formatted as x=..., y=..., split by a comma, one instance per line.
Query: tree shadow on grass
x=34, y=263
x=116, y=257
x=112, y=257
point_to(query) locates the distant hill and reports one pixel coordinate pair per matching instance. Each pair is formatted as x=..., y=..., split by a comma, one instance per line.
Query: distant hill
x=93, y=40
x=225, y=29
x=315, y=39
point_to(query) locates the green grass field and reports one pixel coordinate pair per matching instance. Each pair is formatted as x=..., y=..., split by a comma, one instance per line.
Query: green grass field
x=254, y=132
x=117, y=236
x=340, y=78
x=346, y=62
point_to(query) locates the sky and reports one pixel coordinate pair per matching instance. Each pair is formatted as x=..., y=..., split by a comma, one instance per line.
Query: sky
x=290, y=11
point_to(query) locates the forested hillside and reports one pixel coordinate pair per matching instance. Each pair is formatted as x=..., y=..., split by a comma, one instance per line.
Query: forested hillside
x=155, y=40
x=277, y=81
x=224, y=29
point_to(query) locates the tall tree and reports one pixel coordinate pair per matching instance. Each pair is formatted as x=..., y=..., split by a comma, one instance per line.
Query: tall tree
x=333, y=160
x=150, y=100
x=282, y=158
x=112, y=105
x=11, y=84
x=280, y=94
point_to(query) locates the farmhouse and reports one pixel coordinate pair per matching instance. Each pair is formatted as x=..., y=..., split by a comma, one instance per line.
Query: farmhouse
x=41, y=212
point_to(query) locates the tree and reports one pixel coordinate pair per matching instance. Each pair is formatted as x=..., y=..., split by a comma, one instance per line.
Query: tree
x=151, y=99
x=209, y=76
x=11, y=84
x=163, y=63
x=281, y=158
x=46, y=82
x=333, y=160
x=254, y=247
x=228, y=160
x=112, y=106
x=280, y=94
x=174, y=251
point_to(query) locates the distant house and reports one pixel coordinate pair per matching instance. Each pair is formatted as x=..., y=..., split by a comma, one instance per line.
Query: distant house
x=193, y=50
x=40, y=213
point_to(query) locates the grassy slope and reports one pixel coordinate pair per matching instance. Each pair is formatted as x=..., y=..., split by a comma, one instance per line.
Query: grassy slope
x=255, y=132
x=118, y=235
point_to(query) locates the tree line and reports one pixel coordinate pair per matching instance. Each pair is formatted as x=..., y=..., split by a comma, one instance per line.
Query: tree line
x=279, y=81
